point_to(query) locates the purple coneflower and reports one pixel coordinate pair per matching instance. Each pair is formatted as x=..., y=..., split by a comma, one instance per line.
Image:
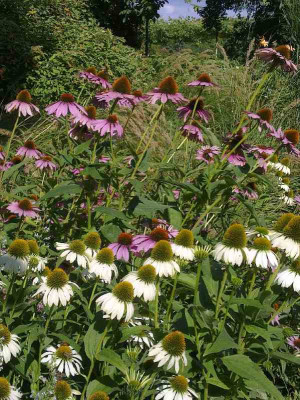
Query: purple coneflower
x=4, y=166
x=88, y=73
x=203, y=80
x=167, y=90
x=2, y=154
x=109, y=125
x=88, y=119
x=162, y=223
x=29, y=150
x=263, y=117
x=122, y=247
x=207, y=153
x=101, y=78
x=22, y=104
x=193, y=132
x=104, y=159
x=280, y=56
x=290, y=138
x=121, y=90
x=236, y=158
x=23, y=208
x=185, y=111
x=294, y=341
x=275, y=320
x=66, y=105
x=147, y=242
x=136, y=99
x=233, y=140
x=260, y=149
x=45, y=162
x=77, y=171
x=176, y=193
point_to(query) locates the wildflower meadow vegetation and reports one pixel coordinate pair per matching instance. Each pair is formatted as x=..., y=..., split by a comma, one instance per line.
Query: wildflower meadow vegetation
x=144, y=266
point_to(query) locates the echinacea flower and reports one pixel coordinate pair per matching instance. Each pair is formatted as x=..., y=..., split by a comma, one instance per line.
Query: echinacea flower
x=280, y=56
x=8, y=392
x=196, y=104
x=294, y=341
x=288, y=198
x=147, y=242
x=259, y=231
x=66, y=105
x=261, y=254
x=109, y=125
x=23, y=208
x=118, y=303
x=63, y=391
x=56, y=288
x=287, y=235
x=99, y=395
x=122, y=247
x=92, y=241
x=162, y=259
x=170, y=350
x=144, y=337
x=289, y=138
x=88, y=119
x=137, y=97
x=176, y=388
x=29, y=150
x=284, y=184
x=104, y=159
x=183, y=246
x=143, y=282
x=167, y=90
x=9, y=344
x=22, y=104
x=282, y=166
x=2, y=154
x=276, y=318
x=207, y=153
x=121, y=90
x=203, y=80
x=88, y=73
x=45, y=162
x=103, y=265
x=16, y=259
x=100, y=78
x=233, y=249
x=290, y=276
x=193, y=132
x=75, y=250
x=263, y=117
x=36, y=263
x=64, y=358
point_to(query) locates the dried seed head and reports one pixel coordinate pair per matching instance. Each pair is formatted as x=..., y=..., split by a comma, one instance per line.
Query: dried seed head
x=168, y=86
x=24, y=96
x=122, y=85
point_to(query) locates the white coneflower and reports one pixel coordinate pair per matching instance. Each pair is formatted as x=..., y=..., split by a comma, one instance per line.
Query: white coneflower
x=284, y=184
x=64, y=358
x=290, y=276
x=56, y=288
x=92, y=241
x=118, y=303
x=259, y=231
x=161, y=259
x=8, y=392
x=202, y=252
x=177, y=388
x=281, y=167
x=75, y=250
x=233, y=249
x=170, y=350
x=37, y=263
x=287, y=235
x=103, y=265
x=135, y=380
x=9, y=344
x=99, y=395
x=145, y=337
x=184, y=245
x=262, y=254
x=16, y=259
x=288, y=198
x=63, y=391
x=143, y=282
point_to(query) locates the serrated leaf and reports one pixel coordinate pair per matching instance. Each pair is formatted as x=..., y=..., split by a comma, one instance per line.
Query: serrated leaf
x=133, y=331
x=188, y=280
x=175, y=217
x=82, y=147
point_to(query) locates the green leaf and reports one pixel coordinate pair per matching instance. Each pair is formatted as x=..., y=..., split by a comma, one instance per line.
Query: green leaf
x=187, y=280
x=175, y=217
x=111, y=357
x=94, y=386
x=148, y=207
x=244, y=367
x=217, y=382
x=286, y=357
x=246, y=302
x=133, y=331
x=91, y=341
x=223, y=342
x=110, y=211
x=64, y=189
x=82, y=147
x=111, y=232
x=8, y=173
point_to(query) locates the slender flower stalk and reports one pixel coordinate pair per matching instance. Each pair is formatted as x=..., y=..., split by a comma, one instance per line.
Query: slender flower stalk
x=171, y=301
x=156, y=304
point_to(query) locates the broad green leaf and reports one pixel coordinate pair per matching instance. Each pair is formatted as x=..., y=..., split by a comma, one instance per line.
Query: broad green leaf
x=8, y=173
x=110, y=211
x=187, y=280
x=94, y=386
x=175, y=217
x=246, y=302
x=64, y=189
x=133, y=331
x=217, y=382
x=91, y=341
x=112, y=358
x=111, y=232
x=223, y=342
x=286, y=357
x=82, y=147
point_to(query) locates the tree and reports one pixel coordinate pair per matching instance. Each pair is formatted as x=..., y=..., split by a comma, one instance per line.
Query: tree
x=213, y=14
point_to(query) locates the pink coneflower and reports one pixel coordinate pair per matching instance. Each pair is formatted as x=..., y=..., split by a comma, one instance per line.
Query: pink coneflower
x=88, y=73
x=232, y=141
x=88, y=119
x=23, y=208
x=104, y=159
x=207, y=153
x=236, y=158
x=167, y=90
x=294, y=341
x=29, y=150
x=121, y=90
x=250, y=191
x=297, y=199
x=66, y=105
x=185, y=111
x=80, y=133
x=162, y=223
x=138, y=97
x=193, y=132
x=99, y=78
x=109, y=125
x=280, y=56
x=176, y=193
x=22, y=104
x=147, y=242
x=77, y=171
x=263, y=117
x=203, y=80
x=290, y=138
x=2, y=154
x=102, y=104
x=260, y=149
x=4, y=166
x=122, y=247
x=45, y=162
x=275, y=320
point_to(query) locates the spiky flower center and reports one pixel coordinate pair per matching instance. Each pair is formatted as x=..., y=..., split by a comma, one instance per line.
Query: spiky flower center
x=235, y=236
x=91, y=112
x=276, y=306
x=25, y=205
x=159, y=234
x=4, y=389
x=99, y=396
x=16, y=160
x=103, y=74
x=201, y=253
x=46, y=158
x=29, y=144
x=137, y=93
x=124, y=292
x=168, y=86
x=265, y=114
x=262, y=244
x=125, y=238
x=1, y=149
x=252, y=186
x=179, y=384
x=24, y=96
x=19, y=248
x=262, y=230
x=62, y=390
x=5, y=335
x=57, y=278
x=285, y=161
x=33, y=246
x=199, y=106
x=112, y=118
x=292, y=229
x=78, y=247
x=67, y=98
x=34, y=262
x=283, y=221
x=91, y=70
x=46, y=271
x=295, y=266
x=162, y=251
x=297, y=343
x=204, y=78
x=92, y=240
x=274, y=158
x=122, y=85
x=174, y=343
x=105, y=256
x=64, y=352
x=147, y=273
x=185, y=238
x=292, y=135
x=284, y=50
x=290, y=194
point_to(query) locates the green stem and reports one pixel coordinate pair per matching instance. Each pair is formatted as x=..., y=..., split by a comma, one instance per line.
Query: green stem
x=156, y=304
x=219, y=298
x=88, y=203
x=170, y=304
x=196, y=291
x=13, y=279
x=272, y=277
x=252, y=283
x=205, y=395
x=207, y=211
x=148, y=127
x=92, y=295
